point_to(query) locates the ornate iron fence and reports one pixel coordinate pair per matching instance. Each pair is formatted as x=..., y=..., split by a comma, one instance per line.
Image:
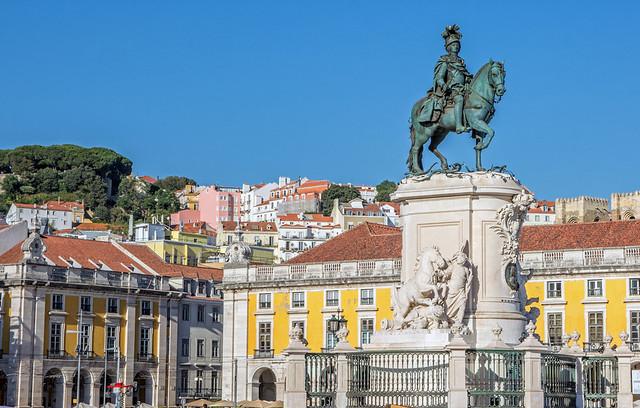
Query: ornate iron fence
x=494, y=378
x=600, y=377
x=413, y=379
x=321, y=379
x=559, y=381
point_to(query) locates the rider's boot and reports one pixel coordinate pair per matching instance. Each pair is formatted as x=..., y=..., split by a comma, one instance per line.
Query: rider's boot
x=457, y=113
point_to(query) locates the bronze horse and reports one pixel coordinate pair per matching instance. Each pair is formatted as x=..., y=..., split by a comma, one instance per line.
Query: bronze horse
x=478, y=111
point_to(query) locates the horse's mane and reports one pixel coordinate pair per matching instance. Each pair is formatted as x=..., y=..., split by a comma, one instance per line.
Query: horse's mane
x=481, y=71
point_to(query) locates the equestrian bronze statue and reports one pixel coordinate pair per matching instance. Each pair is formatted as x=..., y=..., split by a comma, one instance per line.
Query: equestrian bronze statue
x=457, y=102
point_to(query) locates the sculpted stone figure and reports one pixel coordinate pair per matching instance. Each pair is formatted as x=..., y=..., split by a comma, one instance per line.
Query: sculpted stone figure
x=436, y=296
x=509, y=221
x=456, y=102
x=422, y=288
x=459, y=278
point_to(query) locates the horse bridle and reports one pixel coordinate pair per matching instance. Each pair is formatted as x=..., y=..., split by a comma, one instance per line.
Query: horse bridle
x=495, y=100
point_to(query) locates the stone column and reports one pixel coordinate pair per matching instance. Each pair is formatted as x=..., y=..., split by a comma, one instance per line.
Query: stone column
x=457, y=371
x=96, y=391
x=624, y=354
x=342, y=370
x=449, y=211
x=234, y=345
x=533, y=349
x=172, y=353
x=295, y=394
x=164, y=341
x=68, y=393
x=38, y=348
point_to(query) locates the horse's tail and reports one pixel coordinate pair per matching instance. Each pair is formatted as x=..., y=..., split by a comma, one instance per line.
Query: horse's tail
x=412, y=136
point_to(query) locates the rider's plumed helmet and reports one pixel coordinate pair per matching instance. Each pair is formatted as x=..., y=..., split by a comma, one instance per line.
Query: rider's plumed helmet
x=451, y=34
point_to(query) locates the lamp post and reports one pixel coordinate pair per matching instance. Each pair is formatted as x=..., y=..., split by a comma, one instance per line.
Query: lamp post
x=78, y=352
x=335, y=324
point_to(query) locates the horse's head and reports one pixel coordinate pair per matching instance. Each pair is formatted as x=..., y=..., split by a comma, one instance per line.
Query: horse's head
x=496, y=77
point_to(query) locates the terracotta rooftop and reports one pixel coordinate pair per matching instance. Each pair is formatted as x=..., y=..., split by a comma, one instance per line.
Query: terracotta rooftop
x=366, y=241
x=151, y=259
x=90, y=254
x=53, y=205
x=149, y=179
x=93, y=226
x=605, y=234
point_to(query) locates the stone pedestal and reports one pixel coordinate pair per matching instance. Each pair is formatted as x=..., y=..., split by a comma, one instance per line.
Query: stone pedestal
x=449, y=211
x=410, y=339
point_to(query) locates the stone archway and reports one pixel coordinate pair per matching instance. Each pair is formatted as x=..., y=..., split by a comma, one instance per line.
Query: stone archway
x=53, y=389
x=85, y=386
x=111, y=379
x=144, y=388
x=264, y=385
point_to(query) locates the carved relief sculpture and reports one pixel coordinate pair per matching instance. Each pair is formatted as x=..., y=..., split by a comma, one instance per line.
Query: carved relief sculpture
x=509, y=221
x=436, y=296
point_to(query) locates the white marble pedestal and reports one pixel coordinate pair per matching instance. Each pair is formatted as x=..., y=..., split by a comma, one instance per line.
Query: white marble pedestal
x=447, y=211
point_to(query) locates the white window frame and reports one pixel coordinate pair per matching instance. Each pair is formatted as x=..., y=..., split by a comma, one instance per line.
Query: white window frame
x=117, y=305
x=547, y=288
x=304, y=299
x=258, y=321
x=63, y=302
x=586, y=321
x=602, y=287
x=61, y=321
x=373, y=291
x=546, y=323
x=150, y=308
x=117, y=337
x=362, y=317
x=150, y=349
x=270, y=301
x=326, y=291
x=90, y=304
x=629, y=287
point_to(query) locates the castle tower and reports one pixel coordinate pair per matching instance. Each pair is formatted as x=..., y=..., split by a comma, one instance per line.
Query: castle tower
x=582, y=209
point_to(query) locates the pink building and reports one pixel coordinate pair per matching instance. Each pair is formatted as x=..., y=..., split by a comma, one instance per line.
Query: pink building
x=219, y=204
x=184, y=217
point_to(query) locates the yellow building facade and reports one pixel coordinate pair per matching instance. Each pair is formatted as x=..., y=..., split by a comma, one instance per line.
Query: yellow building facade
x=181, y=251
x=584, y=279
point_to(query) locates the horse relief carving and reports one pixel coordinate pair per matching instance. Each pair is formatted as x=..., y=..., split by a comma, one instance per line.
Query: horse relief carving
x=436, y=296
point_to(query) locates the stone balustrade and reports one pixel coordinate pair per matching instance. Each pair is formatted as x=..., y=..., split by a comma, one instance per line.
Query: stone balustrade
x=331, y=270
x=581, y=258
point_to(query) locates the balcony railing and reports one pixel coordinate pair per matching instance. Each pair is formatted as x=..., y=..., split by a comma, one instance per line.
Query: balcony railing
x=263, y=353
x=57, y=355
x=329, y=270
x=146, y=358
x=582, y=258
x=593, y=347
x=194, y=393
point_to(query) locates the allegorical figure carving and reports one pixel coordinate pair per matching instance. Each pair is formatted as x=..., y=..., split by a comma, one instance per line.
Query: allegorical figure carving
x=436, y=296
x=456, y=102
x=508, y=225
x=459, y=278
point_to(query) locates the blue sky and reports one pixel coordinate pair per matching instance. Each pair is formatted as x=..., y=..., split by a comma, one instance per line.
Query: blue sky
x=232, y=92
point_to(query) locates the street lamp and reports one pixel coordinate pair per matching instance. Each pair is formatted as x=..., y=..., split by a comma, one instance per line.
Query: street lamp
x=335, y=324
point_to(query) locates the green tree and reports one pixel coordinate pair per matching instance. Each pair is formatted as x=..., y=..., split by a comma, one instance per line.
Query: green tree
x=342, y=193
x=174, y=183
x=384, y=190
x=46, y=180
x=11, y=186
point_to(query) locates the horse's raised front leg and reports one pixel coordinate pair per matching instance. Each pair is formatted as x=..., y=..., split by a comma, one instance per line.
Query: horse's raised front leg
x=482, y=127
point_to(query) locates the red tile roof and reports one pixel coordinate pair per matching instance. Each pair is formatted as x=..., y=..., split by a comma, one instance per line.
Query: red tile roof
x=117, y=257
x=604, y=234
x=366, y=241
x=199, y=227
x=53, y=205
x=151, y=259
x=93, y=226
x=149, y=179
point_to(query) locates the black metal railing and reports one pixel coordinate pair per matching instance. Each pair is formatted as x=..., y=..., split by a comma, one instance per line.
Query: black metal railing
x=146, y=358
x=57, y=354
x=413, y=379
x=86, y=354
x=559, y=381
x=600, y=379
x=207, y=393
x=263, y=353
x=321, y=380
x=593, y=347
x=495, y=378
